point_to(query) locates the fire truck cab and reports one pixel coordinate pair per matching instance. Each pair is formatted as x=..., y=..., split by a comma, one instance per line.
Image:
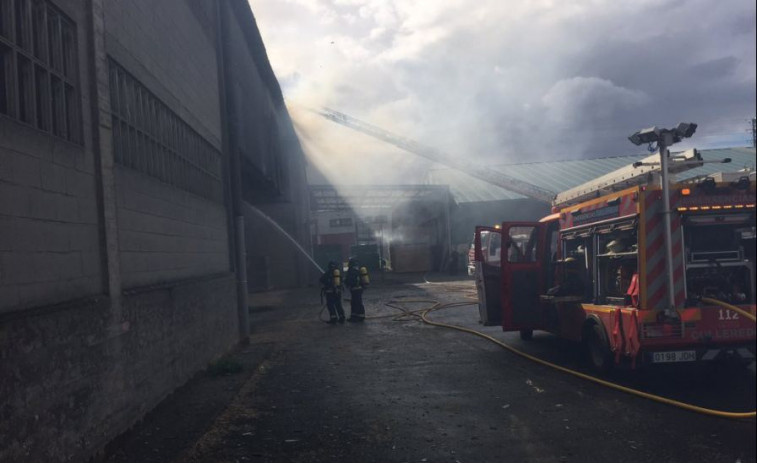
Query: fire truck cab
x=595, y=270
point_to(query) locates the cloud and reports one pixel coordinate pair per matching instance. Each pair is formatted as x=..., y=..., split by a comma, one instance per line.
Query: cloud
x=518, y=80
x=582, y=97
x=584, y=105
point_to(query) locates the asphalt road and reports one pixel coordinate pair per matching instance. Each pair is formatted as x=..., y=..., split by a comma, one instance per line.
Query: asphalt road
x=402, y=391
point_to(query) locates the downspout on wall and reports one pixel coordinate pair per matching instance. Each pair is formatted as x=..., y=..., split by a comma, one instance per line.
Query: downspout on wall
x=235, y=178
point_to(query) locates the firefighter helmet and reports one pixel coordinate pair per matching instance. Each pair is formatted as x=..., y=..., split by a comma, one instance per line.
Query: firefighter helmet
x=615, y=246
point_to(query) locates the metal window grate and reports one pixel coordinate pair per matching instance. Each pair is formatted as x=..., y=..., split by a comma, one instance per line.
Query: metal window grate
x=152, y=139
x=38, y=67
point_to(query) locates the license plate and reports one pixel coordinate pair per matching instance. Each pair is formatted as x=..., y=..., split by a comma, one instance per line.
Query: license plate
x=674, y=356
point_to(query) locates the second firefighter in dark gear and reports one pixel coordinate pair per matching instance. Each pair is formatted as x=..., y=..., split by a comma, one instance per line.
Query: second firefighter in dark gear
x=357, y=280
x=331, y=286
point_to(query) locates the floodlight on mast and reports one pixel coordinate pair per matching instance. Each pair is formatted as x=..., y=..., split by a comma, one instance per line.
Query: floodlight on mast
x=665, y=138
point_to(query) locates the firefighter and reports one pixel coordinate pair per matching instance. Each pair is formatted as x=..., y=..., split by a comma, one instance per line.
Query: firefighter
x=331, y=286
x=357, y=280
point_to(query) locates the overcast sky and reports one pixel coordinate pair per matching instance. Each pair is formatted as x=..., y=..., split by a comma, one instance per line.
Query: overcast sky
x=513, y=81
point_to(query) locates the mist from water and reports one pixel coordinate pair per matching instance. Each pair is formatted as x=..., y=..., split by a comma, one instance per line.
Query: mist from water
x=347, y=157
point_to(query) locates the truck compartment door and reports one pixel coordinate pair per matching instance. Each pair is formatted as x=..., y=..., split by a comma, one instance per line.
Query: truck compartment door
x=522, y=275
x=487, y=251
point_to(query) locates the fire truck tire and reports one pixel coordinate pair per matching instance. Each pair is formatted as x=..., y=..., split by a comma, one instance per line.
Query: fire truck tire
x=598, y=349
x=526, y=335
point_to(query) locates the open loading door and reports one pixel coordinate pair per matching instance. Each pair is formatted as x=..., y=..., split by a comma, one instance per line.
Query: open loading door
x=488, y=263
x=522, y=275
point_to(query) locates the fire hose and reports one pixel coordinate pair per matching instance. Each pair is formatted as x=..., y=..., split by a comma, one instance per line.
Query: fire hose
x=422, y=314
x=729, y=307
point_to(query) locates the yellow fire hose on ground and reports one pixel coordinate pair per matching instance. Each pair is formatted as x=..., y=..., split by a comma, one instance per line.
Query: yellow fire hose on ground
x=423, y=313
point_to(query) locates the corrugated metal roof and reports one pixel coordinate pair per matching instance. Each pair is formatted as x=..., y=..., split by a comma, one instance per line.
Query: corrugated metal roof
x=561, y=175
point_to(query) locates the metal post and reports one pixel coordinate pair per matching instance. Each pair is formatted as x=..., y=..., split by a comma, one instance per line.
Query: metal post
x=448, y=231
x=381, y=242
x=666, y=140
x=244, y=314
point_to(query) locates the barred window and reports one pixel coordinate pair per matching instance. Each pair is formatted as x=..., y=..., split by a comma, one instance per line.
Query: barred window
x=152, y=139
x=39, y=82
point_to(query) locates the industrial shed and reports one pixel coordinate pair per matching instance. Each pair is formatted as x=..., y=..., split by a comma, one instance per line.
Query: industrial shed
x=405, y=226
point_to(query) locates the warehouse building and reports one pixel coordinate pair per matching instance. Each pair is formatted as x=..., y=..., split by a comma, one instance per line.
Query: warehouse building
x=134, y=135
x=402, y=228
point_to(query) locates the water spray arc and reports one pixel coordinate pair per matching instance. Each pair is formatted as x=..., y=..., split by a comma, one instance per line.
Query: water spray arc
x=278, y=227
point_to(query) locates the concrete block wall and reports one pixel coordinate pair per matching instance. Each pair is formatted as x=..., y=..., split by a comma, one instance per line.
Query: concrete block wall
x=115, y=287
x=71, y=382
x=274, y=262
x=166, y=234
x=82, y=360
x=49, y=236
x=168, y=47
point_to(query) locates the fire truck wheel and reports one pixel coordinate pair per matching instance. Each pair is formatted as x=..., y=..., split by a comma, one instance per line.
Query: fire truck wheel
x=526, y=335
x=600, y=355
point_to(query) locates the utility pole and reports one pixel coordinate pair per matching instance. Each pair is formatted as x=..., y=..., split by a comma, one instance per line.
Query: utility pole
x=754, y=132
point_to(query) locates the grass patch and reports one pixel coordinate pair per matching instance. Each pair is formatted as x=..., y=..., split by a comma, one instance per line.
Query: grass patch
x=224, y=367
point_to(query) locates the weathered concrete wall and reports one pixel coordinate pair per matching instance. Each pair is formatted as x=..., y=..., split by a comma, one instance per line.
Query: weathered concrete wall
x=48, y=220
x=71, y=382
x=48, y=211
x=169, y=46
x=82, y=360
x=167, y=234
x=273, y=262
x=115, y=286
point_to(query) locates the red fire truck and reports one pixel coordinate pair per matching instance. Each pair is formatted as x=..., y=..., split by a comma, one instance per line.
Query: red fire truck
x=597, y=270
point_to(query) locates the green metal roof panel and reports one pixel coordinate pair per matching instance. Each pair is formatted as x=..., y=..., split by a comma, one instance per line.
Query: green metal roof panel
x=561, y=175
